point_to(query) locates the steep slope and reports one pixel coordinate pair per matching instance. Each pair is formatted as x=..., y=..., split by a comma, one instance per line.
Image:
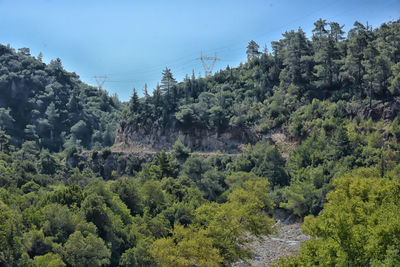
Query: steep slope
x=357, y=76
x=46, y=104
x=130, y=138
x=331, y=120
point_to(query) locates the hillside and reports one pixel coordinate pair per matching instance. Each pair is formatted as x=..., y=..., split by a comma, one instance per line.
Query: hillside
x=46, y=104
x=357, y=76
x=201, y=170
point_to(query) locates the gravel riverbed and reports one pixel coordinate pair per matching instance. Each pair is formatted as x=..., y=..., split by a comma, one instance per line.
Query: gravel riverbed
x=285, y=242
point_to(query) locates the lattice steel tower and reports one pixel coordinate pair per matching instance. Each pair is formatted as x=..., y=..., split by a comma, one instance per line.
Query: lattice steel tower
x=100, y=80
x=208, y=69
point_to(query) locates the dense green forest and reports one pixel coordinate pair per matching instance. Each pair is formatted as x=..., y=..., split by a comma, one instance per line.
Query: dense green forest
x=358, y=73
x=337, y=98
x=46, y=104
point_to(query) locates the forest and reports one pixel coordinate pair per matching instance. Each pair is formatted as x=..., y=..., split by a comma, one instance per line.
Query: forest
x=335, y=97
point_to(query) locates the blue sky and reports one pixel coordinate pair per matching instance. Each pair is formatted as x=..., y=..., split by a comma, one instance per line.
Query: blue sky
x=133, y=41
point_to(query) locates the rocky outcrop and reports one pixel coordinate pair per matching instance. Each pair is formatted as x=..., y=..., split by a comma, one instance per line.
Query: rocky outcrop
x=153, y=138
x=379, y=110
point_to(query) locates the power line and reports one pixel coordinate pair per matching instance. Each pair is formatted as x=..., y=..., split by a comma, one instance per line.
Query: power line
x=233, y=47
x=208, y=68
x=184, y=61
x=100, y=80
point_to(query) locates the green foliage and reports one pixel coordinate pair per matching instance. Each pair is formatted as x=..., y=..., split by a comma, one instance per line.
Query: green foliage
x=132, y=221
x=227, y=223
x=186, y=247
x=153, y=197
x=395, y=81
x=36, y=243
x=395, y=129
x=47, y=163
x=272, y=91
x=327, y=107
x=180, y=151
x=80, y=131
x=128, y=192
x=237, y=179
x=200, y=172
x=4, y=143
x=358, y=227
x=164, y=162
x=89, y=250
x=10, y=235
x=264, y=160
x=194, y=167
x=252, y=50
x=48, y=260
x=219, y=231
x=302, y=198
x=71, y=195
x=48, y=105
x=59, y=222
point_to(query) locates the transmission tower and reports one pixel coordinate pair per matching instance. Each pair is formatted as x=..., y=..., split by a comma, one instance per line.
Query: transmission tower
x=208, y=69
x=100, y=80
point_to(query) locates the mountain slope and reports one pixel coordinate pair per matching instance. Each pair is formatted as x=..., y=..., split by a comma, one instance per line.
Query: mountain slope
x=46, y=104
x=357, y=76
x=326, y=111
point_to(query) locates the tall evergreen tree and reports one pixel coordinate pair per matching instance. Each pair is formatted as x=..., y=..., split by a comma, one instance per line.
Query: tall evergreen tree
x=336, y=31
x=296, y=48
x=357, y=42
x=4, y=142
x=252, y=50
x=369, y=63
x=324, y=52
x=52, y=118
x=134, y=103
x=167, y=81
x=145, y=92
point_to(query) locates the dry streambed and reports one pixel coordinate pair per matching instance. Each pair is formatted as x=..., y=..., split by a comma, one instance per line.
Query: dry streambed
x=285, y=242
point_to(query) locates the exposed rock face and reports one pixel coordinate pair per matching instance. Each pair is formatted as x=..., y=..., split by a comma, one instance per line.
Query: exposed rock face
x=385, y=110
x=154, y=138
x=150, y=136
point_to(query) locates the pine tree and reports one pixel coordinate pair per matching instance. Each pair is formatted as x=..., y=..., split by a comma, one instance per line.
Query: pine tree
x=52, y=114
x=40, y=57
x=296, y=49
x=252, y=50
x=357, y=42
x=265, y=49
x=52, y=117
x=187, y=88
x=340, y=143
x=395, y=80
x=4, y=142
x=371, y=69
x=336, y=31
x=134, y=103
x=157, y=100
x=336, y=34
x=164, y=162
x=324, y=52
x=167, y=81
x=145, y=92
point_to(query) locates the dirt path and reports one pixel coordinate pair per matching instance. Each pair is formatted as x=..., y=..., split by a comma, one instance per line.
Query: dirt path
x=117, y=149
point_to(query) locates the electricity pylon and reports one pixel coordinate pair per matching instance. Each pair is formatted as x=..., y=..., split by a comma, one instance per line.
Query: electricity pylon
x=100, y=80
x=208, y=69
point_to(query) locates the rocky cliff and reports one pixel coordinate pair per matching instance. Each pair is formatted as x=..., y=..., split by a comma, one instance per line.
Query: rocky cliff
x=153, y=138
